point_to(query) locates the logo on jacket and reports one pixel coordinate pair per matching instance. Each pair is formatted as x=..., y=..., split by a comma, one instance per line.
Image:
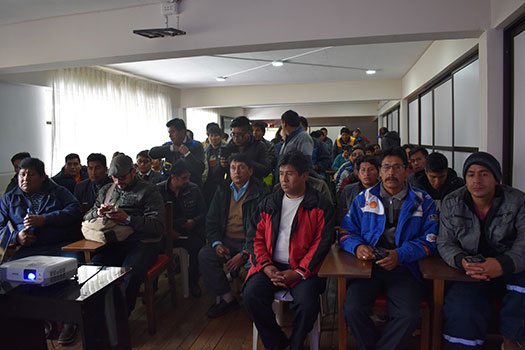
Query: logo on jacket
x=373, y=204
x=431, y=237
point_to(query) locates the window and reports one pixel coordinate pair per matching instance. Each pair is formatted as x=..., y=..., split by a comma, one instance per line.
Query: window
x=197, y=119
x=444, y=117
x=390, y=119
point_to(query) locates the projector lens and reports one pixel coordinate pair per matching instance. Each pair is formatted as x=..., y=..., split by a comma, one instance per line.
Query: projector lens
x=30, y=275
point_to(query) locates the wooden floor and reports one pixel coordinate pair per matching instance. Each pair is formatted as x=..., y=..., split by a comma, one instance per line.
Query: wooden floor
x=186, y=327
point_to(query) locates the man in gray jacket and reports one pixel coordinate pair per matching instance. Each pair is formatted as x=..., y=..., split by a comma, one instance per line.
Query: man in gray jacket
x=136, y=203
x=482, y=232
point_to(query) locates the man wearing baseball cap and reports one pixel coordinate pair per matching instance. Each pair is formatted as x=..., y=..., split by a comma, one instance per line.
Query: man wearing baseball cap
x=482, y=232
x=138, y=204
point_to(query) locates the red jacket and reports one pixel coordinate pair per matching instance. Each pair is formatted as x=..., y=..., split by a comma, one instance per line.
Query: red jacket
x=311, y=237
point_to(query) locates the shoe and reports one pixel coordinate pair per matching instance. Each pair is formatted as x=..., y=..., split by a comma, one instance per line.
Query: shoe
x=68, y=333
x=223, y=308
x=509, y=344
x=195, y=291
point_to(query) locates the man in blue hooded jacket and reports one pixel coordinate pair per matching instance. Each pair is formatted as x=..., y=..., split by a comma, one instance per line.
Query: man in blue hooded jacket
x=394, y=225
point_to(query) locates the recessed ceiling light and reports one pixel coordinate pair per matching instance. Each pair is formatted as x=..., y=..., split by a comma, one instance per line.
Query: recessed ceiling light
x=221, y=78
x=370, y=71
x=277, y=63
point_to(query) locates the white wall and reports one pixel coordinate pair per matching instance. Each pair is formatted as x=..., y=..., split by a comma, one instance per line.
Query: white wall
x=320, y=110
x=503, y=12
x=229, y=26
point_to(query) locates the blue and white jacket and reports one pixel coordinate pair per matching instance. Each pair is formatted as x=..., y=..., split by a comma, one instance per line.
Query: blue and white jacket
x=416, y=230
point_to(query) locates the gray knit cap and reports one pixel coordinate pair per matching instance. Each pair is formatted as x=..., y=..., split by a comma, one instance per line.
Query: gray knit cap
x=485, y=159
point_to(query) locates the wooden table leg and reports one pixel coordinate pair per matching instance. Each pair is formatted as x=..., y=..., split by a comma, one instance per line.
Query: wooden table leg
x=87, y=257
x=439, y=296
x=341, y=294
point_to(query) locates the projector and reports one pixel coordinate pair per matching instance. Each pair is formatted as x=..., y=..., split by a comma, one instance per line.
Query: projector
x=39, y=270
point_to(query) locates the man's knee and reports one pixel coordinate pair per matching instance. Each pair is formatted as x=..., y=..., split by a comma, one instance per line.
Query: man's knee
x=207, y=255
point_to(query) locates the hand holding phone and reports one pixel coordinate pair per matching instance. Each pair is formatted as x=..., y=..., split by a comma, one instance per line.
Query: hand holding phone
x=475, y=259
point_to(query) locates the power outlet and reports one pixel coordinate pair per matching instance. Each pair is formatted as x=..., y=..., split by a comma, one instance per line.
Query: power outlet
x=167, y=8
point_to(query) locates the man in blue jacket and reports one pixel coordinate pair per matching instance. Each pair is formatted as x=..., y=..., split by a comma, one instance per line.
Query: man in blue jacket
x=394, y=225
x=45, y=216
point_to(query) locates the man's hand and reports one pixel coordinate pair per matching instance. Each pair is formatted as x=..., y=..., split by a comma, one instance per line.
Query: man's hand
x=290, y=276
x=25, y=238
x=364, y=252
x=174, y=148
x=183, y=149
x=118, y=216
x=390, y=262
x=275, y=276
x=221, y=250
x=234, y=263
x=224, y=162
x=484, y=271
x=34, y=221
x=189, y=224
x=105, y=208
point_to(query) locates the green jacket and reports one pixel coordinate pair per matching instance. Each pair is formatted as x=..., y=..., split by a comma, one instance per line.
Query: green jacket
x=217, y=217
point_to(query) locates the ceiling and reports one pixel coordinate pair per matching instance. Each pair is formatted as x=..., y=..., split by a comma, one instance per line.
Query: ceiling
x=391, y=60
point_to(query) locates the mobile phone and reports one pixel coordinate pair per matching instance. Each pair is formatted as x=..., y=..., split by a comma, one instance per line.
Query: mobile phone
x=475, y=259
x=380, y=253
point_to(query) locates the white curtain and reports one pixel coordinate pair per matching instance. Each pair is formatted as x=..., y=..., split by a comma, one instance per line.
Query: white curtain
x=101, y=112
x=198, y=118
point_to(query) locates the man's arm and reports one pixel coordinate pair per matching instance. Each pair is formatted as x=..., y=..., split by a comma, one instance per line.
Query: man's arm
x=160, y=151
x=513, y=260
x=350, y=231
x=447, y=242
x=201, y=207
x=255, y=239
x=195, y=160
x=423, y=244
x=70, y=214
x=213, y=218
x=152, y=221
x=261, y=163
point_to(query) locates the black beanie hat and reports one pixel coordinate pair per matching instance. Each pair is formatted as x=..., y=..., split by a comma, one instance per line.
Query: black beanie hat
x=485, y=159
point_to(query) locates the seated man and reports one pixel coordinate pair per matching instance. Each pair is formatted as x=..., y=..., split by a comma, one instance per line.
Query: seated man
x=87, y=190
x=15, y=160
x=438, y=179
x=226, y=225
x=144, y=168
x=417, y=159
x=189, y=210
x=342, y=158
x=182, y=147
x=395, y=226
x=482, y=232
x=368, y=173
x=45, y=216
x=72, y=173
x=341, y=142
x=138, y=204
x=288, y=239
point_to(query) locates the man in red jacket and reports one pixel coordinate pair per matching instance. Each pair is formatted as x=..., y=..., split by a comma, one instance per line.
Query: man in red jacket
x=289, y=236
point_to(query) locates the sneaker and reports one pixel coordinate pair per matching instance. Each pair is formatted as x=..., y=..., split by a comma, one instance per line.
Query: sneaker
x=509, y=344
x=195, y=291
x=68, y=333
x=223, y=308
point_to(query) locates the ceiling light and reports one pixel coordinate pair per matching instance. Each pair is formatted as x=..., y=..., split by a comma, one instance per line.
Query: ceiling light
x=277, y=63
x=370, y=71
x=221, y=78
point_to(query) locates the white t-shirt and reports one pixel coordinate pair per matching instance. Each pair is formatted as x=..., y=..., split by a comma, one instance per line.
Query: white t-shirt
x=281, y=253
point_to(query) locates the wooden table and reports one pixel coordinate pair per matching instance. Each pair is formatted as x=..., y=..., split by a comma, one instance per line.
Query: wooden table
x=343, y=265
x=436, y=269
x=86, y=246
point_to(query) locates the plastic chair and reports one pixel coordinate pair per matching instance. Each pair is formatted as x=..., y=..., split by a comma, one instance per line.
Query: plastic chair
x=277, y=306
x=184, y=260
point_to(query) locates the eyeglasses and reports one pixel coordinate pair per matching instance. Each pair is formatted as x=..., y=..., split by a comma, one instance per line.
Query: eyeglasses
x=237, y=135
x=395, y=167
x=143, y=161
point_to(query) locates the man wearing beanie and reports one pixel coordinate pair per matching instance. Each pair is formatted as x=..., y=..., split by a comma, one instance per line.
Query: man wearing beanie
x=482, y=232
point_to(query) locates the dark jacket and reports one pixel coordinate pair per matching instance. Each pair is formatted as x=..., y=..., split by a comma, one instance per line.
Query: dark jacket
x=86, y=191
x=321, y=157
x=188, y=205
x=217, y=217
x=311, y=235
x=452, y=183
x=214, y=173
x=143, y=202
x=270, y=147
x=60, y=209
x=12, y=184
x=256, y=152
x=154, y=177
x=194, y=161
x=460, y=229
x=67, y=181
x=348, y=194
x=390, y=140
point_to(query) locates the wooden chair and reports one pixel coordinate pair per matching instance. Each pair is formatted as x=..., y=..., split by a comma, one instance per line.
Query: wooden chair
x=163, y=264
x=425, y=320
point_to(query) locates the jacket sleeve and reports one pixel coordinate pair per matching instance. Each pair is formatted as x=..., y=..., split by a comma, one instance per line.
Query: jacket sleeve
x=213, y=218
x=261, y=163
x=152, y=221
x=70, y=214
x=195, y=160
x=513, y=260
x=160, y=151
x=201, y=207
x=448, y=244
x=256, y=240
x=350, y=231
x=322, y=241
x=4, y=219
x=424, y=243
x=92, y=212
x=324, y=160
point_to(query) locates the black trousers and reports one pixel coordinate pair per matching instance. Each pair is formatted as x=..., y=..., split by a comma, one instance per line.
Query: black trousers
x=258, y=297
x=403, y=295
